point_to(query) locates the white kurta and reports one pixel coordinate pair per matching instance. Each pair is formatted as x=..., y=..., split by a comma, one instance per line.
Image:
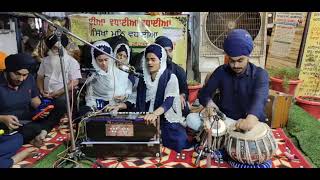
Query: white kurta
x=50, y=68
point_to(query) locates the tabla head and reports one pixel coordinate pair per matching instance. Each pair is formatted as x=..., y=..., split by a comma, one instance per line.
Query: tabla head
x=256, y=132
x=218, y=128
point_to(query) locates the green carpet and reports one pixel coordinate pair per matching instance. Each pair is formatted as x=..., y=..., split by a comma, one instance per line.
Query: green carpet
x=305, y=132
x=48, y=161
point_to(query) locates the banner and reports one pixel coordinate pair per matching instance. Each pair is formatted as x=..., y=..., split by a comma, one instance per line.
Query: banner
x=310, y=66
x=286, y=39
x=140, y=30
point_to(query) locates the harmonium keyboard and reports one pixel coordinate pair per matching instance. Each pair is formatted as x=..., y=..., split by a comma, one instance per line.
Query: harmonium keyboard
x=122, y=135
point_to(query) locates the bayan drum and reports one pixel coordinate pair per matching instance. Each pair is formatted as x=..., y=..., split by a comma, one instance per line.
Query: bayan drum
x=252, y=147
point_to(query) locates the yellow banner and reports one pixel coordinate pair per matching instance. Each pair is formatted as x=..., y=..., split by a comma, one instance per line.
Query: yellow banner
x=140, y=30
x=310, y=66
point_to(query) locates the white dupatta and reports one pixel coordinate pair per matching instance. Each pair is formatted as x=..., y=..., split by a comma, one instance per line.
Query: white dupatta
x=102, y=85
x=174, y=114
x=123, y=86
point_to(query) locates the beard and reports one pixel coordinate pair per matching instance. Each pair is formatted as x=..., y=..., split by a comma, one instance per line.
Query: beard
x=238, y=70
x=13, y=83
x=54, y=60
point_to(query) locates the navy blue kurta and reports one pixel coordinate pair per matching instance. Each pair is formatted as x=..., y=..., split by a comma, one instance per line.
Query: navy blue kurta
x=173, y=135
x=9, y=145
x=240, y=95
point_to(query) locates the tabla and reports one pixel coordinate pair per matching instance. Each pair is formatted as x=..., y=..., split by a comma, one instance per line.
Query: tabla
x=218, y=132
x=252, y=147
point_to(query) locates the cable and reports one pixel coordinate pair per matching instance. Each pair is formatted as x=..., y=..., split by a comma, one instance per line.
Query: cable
x=78, y=97
x=71, y=97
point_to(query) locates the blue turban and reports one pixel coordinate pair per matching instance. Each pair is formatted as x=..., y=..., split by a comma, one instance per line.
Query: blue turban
x=97, y=53
x=164, y=42
x=155, y=50
x=238, y=42
x=15, y=62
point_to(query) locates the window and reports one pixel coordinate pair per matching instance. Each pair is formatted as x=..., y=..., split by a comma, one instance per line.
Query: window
x=4, y=23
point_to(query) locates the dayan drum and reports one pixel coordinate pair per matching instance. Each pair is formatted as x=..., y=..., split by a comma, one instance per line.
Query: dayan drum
x=252, y=147
x=218, y=132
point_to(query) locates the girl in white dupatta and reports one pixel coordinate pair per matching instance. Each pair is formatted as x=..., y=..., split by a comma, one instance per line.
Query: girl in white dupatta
x=100, y=90
x=123, y=81
x=158, y=93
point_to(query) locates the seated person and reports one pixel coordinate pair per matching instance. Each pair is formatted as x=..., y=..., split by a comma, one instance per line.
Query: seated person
x=49, y=79
x=243, y=87
x=101, y=89
x=123, y=81
x=19, y=98
x=158, y=93
x=167, y=44
x=10, y=144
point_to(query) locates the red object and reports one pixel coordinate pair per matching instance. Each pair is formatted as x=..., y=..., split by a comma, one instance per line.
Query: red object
x=276, y=84
x=186, y=158
x=312, y=107
x=58, y=136
x=47, y=109
x=193, y=92
x=169, y=158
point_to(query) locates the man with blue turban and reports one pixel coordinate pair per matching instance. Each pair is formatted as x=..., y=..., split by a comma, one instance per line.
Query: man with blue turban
x=243, y=86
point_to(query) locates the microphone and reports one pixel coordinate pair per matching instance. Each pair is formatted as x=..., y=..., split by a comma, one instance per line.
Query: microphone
x=88, y=70
x=91, y=77
x=124, y=68
x=128, y=70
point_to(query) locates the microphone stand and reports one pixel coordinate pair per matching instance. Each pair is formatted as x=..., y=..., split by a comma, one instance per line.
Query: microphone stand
x=74, y=153
x=206, y=144
x=66, y=90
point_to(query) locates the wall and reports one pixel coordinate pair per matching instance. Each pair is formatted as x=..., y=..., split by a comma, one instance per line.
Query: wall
x=8, y=42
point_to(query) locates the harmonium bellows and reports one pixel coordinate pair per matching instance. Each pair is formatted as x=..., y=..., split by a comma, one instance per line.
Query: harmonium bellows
x=124, y=135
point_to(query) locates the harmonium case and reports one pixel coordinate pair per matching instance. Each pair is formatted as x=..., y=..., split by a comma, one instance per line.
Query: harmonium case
x=123, y=135
x=277, y=109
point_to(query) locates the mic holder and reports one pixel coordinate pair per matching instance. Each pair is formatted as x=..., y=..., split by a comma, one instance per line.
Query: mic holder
x=59, y=28
x=58, y=33
x=207, y=143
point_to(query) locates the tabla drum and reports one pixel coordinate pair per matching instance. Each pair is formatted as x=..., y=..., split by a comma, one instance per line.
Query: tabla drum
x=218, y=132
x=252, y=147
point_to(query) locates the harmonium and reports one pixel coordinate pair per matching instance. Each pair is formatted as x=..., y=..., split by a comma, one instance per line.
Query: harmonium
x=277, y=109
x=122, y=135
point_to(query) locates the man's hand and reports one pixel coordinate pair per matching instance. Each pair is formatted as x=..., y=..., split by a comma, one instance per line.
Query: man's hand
x=247, y=124
x=44, y=114
x=211, y=104
x=119, y=98
x=183, y=101
x=10, y=121
x=54, y=94
x=45, y=94
x=151, y=118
